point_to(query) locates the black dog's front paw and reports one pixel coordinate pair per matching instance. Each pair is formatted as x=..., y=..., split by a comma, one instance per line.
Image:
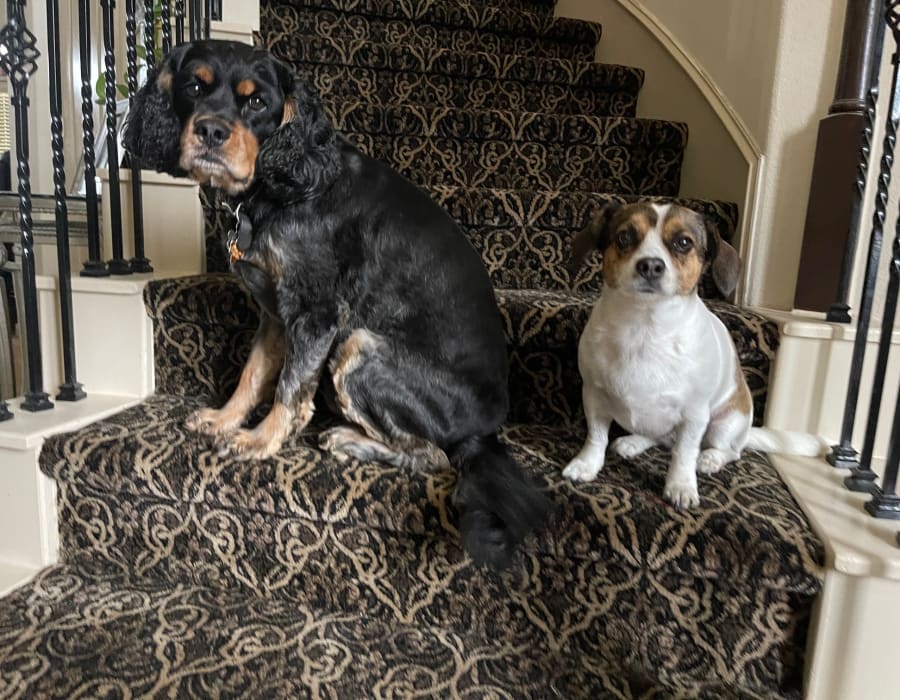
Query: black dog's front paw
x=247, y=445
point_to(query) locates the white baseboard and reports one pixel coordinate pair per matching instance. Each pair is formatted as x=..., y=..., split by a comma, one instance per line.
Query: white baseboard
x=808, y=383
x=14, y=575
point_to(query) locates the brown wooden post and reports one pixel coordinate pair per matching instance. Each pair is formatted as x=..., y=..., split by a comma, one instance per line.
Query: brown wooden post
x=839, y=171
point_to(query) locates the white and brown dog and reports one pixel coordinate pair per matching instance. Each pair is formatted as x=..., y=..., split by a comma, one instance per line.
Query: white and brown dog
x=656, y=360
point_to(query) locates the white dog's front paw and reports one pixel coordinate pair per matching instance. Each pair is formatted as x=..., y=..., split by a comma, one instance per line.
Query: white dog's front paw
x=579, y=470
x=631, y=445
x=682, y=494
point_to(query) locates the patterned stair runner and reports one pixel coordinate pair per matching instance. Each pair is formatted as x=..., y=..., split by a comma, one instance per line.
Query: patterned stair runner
x=185, y=574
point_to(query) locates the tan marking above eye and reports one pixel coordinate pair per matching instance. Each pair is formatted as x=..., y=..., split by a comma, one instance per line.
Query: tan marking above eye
x=245, y=88
x=205, y=74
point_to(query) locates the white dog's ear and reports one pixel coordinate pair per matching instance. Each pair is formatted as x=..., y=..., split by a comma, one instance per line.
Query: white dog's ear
x=723, y=259
x=594, y=236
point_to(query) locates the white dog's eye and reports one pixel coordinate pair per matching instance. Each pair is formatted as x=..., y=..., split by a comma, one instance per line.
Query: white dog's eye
x=682, y=244
x=625, y=239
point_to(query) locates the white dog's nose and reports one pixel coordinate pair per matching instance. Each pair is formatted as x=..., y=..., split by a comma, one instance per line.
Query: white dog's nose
x=650, y=268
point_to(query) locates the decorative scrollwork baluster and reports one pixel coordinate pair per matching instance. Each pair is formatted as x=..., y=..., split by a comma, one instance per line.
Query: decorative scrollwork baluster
x=20, y=62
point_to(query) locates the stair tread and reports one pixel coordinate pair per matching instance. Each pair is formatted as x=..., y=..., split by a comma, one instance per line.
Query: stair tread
x=395, y=73
x=434, y=22
x=504, y=148
x=747, y=522
x=67, y=635
x=472, y=64
x=567, y=210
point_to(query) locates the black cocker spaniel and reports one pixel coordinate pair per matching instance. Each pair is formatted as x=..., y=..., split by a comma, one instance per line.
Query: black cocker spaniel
x=360, y=277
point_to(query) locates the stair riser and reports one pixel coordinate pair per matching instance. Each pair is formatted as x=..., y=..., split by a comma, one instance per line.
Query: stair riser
x=389, y=87
x=544, y=383
x=384, y=30
x=498, y=164
x=504, y=125
x=514, y=229
x=616, y=615
x=525, y=19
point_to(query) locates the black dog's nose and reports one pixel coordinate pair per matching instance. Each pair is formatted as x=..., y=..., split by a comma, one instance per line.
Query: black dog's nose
x=651, y=268
x=211, y=132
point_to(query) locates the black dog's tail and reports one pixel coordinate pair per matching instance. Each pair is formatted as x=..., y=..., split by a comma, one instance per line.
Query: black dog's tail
x=498, y=503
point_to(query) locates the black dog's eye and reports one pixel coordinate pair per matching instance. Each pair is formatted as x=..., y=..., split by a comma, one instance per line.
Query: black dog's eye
x=192, y=90
x=682, y=243
x=256, y=103
x=625, y=238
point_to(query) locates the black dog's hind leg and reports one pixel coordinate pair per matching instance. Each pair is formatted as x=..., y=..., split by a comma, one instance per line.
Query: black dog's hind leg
x=409, y=413
x=359, y=360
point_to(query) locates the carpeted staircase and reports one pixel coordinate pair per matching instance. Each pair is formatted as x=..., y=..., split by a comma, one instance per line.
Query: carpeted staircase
x=185, y=574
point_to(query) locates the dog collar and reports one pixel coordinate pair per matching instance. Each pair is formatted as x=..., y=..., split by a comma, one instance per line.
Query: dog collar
x=241, y=236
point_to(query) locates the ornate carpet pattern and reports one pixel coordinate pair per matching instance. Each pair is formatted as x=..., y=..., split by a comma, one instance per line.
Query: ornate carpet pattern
x=185, y=574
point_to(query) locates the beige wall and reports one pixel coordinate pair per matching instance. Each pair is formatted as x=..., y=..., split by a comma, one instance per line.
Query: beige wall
x=735, y=43
x=774, y=63
x=668, y=93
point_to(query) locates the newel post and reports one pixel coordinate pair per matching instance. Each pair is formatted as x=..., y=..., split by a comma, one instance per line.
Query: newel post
x=838, y=182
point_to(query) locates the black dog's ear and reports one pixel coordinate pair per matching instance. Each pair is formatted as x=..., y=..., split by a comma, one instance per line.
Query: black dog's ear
x=722, y=258
x=594, y=236
x=301, y=158
x=152, y=132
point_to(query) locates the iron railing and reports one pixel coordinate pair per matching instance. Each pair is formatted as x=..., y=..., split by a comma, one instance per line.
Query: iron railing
x=884, y=503
x=19, y=55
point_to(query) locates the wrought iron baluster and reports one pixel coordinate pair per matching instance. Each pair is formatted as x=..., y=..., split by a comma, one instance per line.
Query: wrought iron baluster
x=207, y=19
x=885, y=503
x=94, y=265
x=196, y=19
x=117, y=265
x=19, y=63
x=215, y=10
x=139, y=263
x=166, y=26
x=179, y=22
x=843, y=455
x=70, y=390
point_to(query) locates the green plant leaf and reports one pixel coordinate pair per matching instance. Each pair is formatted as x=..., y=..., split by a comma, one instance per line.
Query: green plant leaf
x=123, y=89
x=100, y=89
x=141, y=51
